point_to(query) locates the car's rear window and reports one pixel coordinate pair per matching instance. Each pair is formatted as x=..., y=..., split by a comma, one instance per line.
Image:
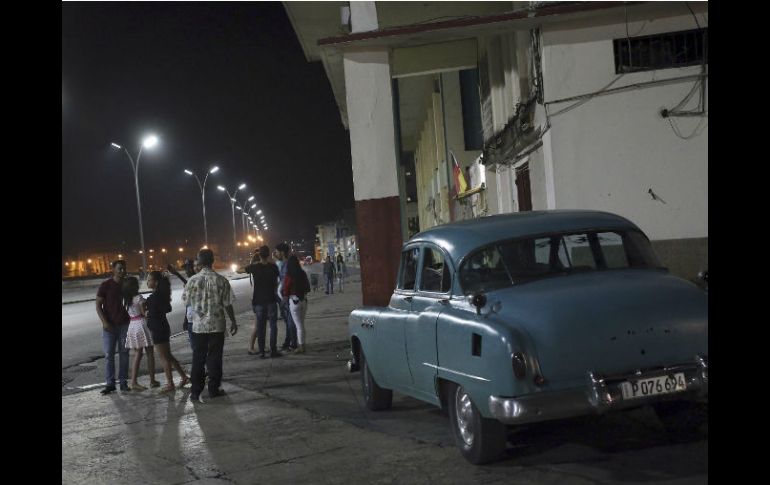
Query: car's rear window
x=521, y=260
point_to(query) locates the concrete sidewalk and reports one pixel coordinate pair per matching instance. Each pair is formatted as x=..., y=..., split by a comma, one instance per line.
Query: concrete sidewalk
x=301, y=419
x=282, y=421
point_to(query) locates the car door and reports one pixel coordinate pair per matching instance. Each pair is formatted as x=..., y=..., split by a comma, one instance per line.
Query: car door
x=431, y=298
x=390, y=326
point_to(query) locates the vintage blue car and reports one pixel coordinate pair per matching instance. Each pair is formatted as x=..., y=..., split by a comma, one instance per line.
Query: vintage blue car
x=535, y=316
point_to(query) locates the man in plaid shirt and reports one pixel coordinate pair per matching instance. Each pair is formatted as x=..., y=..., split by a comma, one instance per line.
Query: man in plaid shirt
x=210, y=296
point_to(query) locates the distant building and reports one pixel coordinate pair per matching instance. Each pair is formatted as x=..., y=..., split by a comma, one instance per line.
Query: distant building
x=338, y=237
x=98, y=262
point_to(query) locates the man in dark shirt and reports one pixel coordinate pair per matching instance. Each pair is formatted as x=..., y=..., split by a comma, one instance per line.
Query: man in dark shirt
x=114, y=318
x=264, y=302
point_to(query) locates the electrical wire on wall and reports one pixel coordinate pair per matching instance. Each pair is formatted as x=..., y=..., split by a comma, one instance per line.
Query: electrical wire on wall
x=583, y=99
x=699, y=86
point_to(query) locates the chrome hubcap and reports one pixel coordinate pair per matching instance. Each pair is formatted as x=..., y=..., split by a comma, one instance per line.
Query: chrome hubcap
x=464, y=415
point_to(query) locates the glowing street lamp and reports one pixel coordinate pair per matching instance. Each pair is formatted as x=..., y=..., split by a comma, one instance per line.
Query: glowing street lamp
x=148, y=142
x=243, y=210
x=202, y=186
x=232, y=207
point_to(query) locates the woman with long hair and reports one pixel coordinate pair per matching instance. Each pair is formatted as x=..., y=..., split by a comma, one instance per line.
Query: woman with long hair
x=158, y=304
x=296, y=287
x=138, y=338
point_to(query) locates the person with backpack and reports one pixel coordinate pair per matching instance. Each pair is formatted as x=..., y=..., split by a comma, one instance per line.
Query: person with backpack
x=295, y=288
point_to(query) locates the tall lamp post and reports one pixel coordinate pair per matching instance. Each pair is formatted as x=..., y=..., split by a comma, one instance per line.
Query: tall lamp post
x=232, y=206
x=243, y=224
x=202, y=186
x=148, y=142
x=254, y=220
x=244, y=213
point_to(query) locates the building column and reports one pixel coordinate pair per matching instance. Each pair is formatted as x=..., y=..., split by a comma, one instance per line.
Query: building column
x=375, y=171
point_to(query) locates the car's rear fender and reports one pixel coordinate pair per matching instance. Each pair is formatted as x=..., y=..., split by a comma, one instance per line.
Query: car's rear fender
x=476, y=352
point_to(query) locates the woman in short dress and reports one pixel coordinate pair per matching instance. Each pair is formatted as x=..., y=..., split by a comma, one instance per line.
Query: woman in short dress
x=158, y=304
x=138, y=338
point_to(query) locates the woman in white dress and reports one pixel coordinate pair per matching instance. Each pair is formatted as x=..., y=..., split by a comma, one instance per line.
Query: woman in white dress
x=139, y=338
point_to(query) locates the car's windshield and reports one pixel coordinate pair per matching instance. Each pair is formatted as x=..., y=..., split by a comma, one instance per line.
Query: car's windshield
x=522, y=260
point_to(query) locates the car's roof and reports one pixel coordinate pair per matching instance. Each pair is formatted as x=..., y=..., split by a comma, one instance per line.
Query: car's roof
x=459, y=238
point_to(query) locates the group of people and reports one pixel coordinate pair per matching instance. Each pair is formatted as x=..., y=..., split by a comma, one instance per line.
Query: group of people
x=279, y=286
x=334, y=268
x=131, y=322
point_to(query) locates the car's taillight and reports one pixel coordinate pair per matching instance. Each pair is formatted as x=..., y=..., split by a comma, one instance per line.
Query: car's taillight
x=519, y=365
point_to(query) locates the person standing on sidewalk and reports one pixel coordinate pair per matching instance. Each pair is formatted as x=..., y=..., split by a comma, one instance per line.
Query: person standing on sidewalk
x=190, y=268
x=290, y=342
x=342, y=272
x=138, y=337
x=210, y=296
x=114, y=318
x=158, y=304
x=295, y=289
x=265, y=302
x=329, y=275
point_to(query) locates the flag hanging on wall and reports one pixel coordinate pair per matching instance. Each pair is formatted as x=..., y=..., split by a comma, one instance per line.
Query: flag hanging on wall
x=460, y=184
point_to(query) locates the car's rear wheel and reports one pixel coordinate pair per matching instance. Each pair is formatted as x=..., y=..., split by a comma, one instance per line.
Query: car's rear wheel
x=375, y=397
x=682, y=418
x=480, y=439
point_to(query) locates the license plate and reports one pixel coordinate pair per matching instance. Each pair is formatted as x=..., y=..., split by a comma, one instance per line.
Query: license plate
x=653, y=385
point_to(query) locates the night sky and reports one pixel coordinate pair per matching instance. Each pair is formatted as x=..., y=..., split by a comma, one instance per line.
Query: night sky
x=223, y=83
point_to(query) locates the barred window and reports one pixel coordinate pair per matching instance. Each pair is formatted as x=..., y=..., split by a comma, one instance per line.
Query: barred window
x=661, y=51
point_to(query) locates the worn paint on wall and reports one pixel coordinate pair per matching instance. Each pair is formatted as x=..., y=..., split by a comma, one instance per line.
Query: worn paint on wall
x=610, y=151
x=380, y=248
x=372, y=131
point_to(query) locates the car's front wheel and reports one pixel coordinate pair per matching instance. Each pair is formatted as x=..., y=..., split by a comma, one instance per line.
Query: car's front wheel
x=375, y=397
x=480, y=439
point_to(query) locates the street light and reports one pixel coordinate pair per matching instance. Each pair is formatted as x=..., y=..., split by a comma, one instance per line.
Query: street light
x=148, y=142
x=253, y=207
x=202, y=186
x=232, y=206
x=243, y=213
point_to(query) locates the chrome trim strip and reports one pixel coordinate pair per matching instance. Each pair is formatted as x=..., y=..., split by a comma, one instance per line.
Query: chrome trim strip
x=456, y=372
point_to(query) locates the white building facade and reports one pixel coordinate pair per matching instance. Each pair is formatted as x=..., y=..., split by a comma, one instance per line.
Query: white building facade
x=543, y=105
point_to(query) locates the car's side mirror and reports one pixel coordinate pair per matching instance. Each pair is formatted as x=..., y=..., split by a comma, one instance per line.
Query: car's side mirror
x=479, y=300
x=703, y=275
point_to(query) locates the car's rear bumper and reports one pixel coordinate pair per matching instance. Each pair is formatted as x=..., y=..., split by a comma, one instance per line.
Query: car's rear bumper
x=599, y=395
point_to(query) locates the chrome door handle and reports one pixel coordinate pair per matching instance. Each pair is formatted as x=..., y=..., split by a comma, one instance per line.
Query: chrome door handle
x=408, y=298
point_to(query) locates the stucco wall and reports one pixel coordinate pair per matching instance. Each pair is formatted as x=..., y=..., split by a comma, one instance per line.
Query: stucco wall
x=610, y=151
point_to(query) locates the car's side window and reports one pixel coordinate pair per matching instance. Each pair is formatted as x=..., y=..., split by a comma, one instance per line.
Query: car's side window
x=435, y=273
x=408, y=273
x=580, y=253
x=484, y=271
x=612, y=249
